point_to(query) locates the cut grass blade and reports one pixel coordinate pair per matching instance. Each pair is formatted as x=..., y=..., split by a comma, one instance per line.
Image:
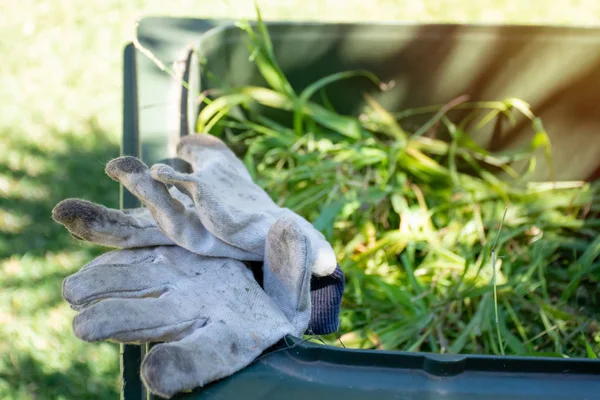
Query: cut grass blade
x=393, y=129
x=588, y=349
x=243, y=96
x=473, y=326
x=261, y=50
x=438, y=115
x=493, y=256
x=320, y=84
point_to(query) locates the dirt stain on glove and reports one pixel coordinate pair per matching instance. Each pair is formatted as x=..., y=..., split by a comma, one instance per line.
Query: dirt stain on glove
x=126, y=164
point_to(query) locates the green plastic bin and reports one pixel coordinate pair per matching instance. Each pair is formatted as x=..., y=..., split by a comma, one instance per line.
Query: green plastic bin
x=555, y=69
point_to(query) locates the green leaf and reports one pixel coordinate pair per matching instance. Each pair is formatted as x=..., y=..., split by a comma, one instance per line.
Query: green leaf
x=347, y=126
x=320, y=84
x=261, y=49
x=541, y=139
x=551, y=354
x=238, y=97
x=473, y=325
x=438, y=115
x=399, y=204
x=588, y=349
x=583, y=267
x=520, y=105
x=393, y=129
x=327, y=217
x=455, y=134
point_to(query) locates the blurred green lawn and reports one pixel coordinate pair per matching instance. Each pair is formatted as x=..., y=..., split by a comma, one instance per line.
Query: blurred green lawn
x=60, y=116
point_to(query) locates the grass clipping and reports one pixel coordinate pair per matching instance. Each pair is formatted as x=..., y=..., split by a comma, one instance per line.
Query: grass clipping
x=415, y=220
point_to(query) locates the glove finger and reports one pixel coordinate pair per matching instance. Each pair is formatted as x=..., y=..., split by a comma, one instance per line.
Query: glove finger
x=210, y=200
x=108, y=227
x=213, y=352
x=135, y=176
x=237, y=212
x=287, y=271
x=116, y=281
x=177, y=222
x=185, y=183
x=135, y=321
x=323, y=259
x=202, y=149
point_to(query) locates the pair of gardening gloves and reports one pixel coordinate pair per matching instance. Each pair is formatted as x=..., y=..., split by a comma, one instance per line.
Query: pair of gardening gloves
x=180, y=275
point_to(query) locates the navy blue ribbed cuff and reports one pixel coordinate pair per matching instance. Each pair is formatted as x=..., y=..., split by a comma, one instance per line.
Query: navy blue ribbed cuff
x=326, y=297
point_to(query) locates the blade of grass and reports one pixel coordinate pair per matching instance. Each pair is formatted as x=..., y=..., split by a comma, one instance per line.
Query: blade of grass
x=474, y=323
x=393, y=129
x=588, y=349
x=261, y=49
x=583, y=266
x=493, y=255
x=313, y=88
x=438, y=115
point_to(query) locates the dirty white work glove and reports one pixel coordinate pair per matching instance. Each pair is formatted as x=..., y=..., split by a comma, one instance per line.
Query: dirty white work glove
x=217, y=210
x=180, y=222
x=212, y=314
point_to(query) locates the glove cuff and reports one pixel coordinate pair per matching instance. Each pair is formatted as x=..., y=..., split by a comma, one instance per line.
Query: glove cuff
x=326, y=298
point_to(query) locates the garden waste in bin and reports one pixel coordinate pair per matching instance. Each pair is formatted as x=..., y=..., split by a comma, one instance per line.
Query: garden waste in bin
x=555, y=69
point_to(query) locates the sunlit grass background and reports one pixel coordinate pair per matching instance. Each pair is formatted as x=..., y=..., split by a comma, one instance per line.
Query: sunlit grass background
x=60, y=116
